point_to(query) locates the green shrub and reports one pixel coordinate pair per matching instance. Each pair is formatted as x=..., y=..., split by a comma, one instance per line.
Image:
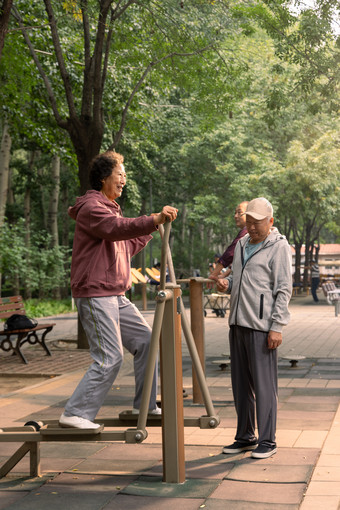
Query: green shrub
x=39, y=267
x=47, y=307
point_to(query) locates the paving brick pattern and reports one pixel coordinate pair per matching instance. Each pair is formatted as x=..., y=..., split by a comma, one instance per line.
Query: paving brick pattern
x=304, y=474
x=61, y=362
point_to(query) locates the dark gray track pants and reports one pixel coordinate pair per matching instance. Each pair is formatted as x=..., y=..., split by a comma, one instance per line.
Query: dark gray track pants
x=254, y=383
x=110, y=323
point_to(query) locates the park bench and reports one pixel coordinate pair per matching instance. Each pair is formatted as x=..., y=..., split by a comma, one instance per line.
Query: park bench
x=332, y=294
x=14, y=339
x=138, y=278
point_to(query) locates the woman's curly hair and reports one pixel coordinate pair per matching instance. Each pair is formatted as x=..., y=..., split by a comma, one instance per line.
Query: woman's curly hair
x=102, y=167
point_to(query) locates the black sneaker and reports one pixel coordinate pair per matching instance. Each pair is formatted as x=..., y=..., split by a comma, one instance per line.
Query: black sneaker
x=239, y=447
x=263, y=452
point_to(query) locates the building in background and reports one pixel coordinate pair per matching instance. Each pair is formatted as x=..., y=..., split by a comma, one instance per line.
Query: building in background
x=328, y=260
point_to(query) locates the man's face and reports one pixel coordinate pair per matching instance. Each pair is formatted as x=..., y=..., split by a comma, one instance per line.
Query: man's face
x=258, y=229
x=240, y=216
x=113, y=184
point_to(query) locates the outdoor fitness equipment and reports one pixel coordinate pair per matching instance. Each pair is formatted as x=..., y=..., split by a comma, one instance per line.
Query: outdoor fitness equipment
x=166, y=334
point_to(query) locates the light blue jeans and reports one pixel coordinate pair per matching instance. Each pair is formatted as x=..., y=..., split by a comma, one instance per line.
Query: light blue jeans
x=110, y=323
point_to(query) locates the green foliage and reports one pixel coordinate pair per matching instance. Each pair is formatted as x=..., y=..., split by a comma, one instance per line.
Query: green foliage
x=46, y=265
x=251, y=115
x=47, y=307
x=22, y=93
x=13, y=252
x=38, y=267
x=308, y=39
x=306, y=191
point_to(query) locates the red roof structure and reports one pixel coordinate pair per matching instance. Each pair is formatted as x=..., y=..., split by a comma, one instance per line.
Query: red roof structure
x=332, y=250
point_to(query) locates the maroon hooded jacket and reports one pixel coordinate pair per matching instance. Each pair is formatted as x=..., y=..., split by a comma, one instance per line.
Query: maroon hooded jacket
x=103, y=245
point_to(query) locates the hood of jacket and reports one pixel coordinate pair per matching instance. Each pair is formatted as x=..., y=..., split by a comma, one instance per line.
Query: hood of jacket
x=273, y=237
x=92, y=195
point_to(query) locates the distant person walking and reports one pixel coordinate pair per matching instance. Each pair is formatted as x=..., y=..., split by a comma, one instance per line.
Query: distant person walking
x=315, y=280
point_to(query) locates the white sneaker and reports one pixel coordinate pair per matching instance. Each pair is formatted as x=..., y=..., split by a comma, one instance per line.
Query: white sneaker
x=157, y=411
x=77, y=422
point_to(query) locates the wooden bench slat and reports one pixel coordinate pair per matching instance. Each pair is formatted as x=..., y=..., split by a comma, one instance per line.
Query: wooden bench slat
x=11, y=299
x=10, y=305
x=36, y=328
x=8, y=313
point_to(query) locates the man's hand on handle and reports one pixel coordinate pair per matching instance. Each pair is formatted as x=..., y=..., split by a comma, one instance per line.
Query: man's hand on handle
x=167, y=213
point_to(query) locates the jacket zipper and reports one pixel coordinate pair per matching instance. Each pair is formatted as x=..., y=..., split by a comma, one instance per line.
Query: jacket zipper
x=261, y=306
x=239, y=287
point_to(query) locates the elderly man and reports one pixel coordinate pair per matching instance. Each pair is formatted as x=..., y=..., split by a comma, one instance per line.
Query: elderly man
x=260, y=287
x=227, y=257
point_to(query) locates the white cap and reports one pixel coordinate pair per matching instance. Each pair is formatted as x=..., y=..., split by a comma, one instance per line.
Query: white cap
x=260, y=208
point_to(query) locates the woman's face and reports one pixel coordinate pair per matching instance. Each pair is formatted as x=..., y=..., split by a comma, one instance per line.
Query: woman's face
x=113, y=184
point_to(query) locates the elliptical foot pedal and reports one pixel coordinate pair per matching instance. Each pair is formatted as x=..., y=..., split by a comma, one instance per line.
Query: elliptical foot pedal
x=66, y=431
x=223, y=363
x=294, y=359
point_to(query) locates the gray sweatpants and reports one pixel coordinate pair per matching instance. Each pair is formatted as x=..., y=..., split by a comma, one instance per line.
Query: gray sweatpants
x=254, y=383
x=110, y=323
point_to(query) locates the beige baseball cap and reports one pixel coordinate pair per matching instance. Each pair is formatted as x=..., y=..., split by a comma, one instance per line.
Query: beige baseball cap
x=260, y=208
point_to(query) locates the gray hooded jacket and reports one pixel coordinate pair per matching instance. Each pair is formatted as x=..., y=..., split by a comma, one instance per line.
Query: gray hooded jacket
x=261, y=288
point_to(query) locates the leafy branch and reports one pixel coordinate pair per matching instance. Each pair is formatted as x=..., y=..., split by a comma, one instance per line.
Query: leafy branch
x=148, y=69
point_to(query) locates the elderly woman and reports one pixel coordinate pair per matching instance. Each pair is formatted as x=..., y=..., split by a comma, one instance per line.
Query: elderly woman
x=103, y=245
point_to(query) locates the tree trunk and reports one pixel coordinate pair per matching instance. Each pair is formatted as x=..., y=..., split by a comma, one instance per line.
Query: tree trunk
x=54, y=201
x=172, y=241
x=16, y=285
x=10, y=194
x=65, y=219
x=308, y=258
x=5, y=154
x=150, y=212
x=181, y=264
x=53, y=211
x=86, y=137
x=5, y=11
x=41, y=198
x=184, y=214
x=191, y=250
x=210, y=236
x=297, y=277
x=139, y=258
x=27, y=215
x=65, y=229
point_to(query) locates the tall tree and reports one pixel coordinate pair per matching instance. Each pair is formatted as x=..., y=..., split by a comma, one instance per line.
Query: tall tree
x=5, y=151
x=106, y=52
x=54, y=201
